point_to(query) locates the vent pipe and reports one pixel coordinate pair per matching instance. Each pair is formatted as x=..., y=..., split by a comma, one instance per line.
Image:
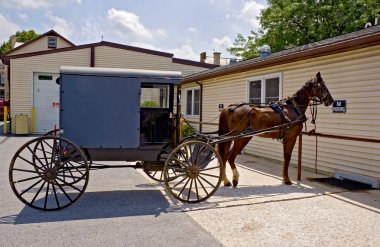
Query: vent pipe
x=264, y=51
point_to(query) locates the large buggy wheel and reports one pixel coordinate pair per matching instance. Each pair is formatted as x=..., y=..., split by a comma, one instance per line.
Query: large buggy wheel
x=49, y=173
x=193, y=171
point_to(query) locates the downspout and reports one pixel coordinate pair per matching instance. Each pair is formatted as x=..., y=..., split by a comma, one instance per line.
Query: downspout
x=200, y=105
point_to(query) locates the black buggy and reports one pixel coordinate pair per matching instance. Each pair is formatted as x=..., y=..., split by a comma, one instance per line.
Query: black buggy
x=114, y=115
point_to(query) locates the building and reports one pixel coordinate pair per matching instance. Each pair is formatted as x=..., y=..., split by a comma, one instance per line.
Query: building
x=34, y=68
x=350, y=66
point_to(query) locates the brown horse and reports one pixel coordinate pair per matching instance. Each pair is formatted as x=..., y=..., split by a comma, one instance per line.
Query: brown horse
x=243, y=117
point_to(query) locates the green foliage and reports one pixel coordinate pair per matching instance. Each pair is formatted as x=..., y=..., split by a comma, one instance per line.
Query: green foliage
x=21, y=36
x=287, y=23
x=149, y=104
x=186, y=130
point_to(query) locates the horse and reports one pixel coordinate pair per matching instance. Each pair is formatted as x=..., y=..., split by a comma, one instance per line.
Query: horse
x=248, y=117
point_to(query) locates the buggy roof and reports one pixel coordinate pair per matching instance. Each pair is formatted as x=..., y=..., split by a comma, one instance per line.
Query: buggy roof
x=174, y=77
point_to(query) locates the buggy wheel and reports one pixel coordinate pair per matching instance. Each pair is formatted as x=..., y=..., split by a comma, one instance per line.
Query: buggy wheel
x=49, y=173
x=154, y=171
x=193, y=171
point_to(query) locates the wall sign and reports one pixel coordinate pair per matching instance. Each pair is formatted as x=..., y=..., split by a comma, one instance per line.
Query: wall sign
x=339, y=106
x=220, y=107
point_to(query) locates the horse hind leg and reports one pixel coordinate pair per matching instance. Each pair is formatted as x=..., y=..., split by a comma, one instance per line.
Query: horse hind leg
x=223, y=149
x=239, y=145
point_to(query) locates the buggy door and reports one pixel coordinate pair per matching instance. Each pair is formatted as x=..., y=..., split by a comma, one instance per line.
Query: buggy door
x=156, y=109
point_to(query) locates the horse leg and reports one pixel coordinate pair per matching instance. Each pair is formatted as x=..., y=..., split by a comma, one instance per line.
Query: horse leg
x=223, y=149
x=239, y=145
x=288, y=146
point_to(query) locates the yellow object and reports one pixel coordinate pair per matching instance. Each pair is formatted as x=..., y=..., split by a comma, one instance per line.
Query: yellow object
x=21, y=122
x=5, y=120
x=33, y=120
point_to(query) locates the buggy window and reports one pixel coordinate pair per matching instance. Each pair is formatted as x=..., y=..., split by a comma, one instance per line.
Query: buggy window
x=154, y=96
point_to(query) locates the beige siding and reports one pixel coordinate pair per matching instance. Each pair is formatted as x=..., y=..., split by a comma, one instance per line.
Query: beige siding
x=109, y=57
x=352, y=76
x=40, y=45
x=22, y=70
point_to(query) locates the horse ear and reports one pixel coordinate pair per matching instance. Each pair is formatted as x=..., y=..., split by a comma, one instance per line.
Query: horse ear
x=318, y=76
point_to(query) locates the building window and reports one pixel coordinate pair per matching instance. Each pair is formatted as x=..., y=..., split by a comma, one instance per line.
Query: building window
x=264, y=89
x=193, y=102
x=52, y=42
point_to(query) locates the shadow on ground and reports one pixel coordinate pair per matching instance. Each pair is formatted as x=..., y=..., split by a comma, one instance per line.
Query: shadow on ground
x=97, y=205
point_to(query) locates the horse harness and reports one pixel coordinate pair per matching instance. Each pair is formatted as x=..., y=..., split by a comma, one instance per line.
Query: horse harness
x=277, y=107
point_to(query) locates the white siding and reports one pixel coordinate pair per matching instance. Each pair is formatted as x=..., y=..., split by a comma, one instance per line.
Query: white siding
x=109, y=57
x=41, y=45
x=22, y=70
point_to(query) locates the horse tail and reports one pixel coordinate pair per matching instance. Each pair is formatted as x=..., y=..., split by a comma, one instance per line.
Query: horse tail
x=223, y=147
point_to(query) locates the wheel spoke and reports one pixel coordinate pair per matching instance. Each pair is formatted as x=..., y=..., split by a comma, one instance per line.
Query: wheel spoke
x=209, y=175
x=26, y=190
x=56, y=197
x=23, y=170
x=34, y=155
x=180, y=181
x=46, y=195
x=26, y=179
x=202, y=186
x=72, y=186
x=44, y=152
x=206, y=181
x=210, y=168
x=64, y=192
x=38, y=192
x=183, y=188
x=27, y=161
x=191, y=184
x=196, y=188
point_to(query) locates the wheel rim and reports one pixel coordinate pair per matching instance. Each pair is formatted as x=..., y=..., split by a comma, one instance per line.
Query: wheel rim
x=49, y=173
x=155, y=172
x=193, y=172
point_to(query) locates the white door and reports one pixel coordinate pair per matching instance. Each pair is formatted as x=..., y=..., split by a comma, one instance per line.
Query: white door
x=46, y=101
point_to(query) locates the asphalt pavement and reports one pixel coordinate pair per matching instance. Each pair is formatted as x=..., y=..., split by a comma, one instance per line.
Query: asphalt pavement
x=123, y=207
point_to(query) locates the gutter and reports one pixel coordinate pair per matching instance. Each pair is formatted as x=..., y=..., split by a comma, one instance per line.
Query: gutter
x=200, y=104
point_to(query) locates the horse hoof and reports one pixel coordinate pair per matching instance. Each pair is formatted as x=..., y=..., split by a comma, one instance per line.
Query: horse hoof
x=228, y=184
x=235, y=183
x=287, y=182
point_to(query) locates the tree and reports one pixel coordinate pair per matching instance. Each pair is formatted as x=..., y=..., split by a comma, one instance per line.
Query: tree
x=287, y=23
x=21, y=36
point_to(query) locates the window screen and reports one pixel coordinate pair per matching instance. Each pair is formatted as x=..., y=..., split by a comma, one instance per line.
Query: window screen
x=255, y=92
x=189, y=102
x=272, y=89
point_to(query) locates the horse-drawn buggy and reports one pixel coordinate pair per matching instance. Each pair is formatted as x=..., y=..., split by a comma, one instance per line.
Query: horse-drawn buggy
x=134, y=116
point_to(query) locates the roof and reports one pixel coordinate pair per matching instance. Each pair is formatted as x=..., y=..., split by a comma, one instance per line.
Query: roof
x=173, y=76
x=6, y=58
x=49, y=33
x=347, y=42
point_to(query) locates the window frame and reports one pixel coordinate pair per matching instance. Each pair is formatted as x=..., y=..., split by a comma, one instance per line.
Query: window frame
x=48, y=42
x=263, y=79
x=193, y=89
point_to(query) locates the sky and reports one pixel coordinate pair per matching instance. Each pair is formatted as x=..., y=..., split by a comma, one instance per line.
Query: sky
x=182, y=27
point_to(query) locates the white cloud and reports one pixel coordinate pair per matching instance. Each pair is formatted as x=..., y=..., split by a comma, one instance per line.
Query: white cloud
x=34, y=4
x=7, y=28
x=185, y=52
x=60, y=25
x=89, y=32
x=23, y=16
x=192, y=29
x=220, y=45
x=250, y=12
x=161, y=32
x=129, y=22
